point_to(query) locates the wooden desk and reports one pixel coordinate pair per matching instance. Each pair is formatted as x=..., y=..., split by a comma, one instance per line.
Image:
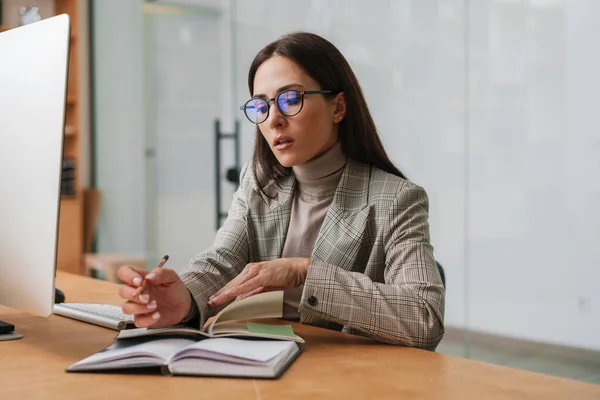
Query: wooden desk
x=333, y=365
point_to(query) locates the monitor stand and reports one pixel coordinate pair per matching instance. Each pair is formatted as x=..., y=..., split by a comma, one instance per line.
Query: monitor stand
x=7, y=330
x=59, y=296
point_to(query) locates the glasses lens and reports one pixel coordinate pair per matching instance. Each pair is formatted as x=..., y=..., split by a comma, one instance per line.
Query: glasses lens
x=256, y=110
x=289, y=102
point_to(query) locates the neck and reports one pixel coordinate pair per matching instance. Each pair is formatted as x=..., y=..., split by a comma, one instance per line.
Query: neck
x=321, y=174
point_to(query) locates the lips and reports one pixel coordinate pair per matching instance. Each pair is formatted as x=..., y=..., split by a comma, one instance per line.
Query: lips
x=282, y=142
x=280, y=139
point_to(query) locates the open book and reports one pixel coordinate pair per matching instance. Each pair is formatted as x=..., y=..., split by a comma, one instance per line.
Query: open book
x=232, y=321
x=187, y=356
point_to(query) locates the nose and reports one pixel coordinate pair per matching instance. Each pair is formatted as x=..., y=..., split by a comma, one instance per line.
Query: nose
x=276, y=118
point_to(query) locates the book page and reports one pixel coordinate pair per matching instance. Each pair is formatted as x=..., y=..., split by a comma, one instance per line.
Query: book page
x=248, y=369
x=260, y=351
x=262, y=305
x=130, y=352
x=267, y=331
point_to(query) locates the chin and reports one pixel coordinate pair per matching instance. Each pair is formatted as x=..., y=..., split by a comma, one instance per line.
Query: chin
x=289, y=161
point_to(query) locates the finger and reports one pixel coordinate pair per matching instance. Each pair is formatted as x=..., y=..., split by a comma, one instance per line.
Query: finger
x=131, y=276
x=252, y=293
x=158, y=276
x=151, y=319
x=248, y=273
x=131, y=308
x=245, y=287
x=230, y=284
x=235, y=280
x=130, y=293
x=227, y=287
x=162, y=276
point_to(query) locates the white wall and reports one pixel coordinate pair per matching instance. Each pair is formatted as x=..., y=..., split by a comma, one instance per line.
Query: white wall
x=516, y=157
x=534, y=171
x=119, y=124
x=490, y=105
x=582, y=168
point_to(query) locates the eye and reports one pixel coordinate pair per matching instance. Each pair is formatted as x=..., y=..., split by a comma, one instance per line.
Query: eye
x=292, y=97
x=292, y=100
x=260, y=106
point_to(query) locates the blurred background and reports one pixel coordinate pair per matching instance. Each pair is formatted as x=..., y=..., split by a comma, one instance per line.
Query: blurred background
x=491, y=105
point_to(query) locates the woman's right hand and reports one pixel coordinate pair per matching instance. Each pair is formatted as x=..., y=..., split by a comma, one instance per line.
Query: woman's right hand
x=165, y=300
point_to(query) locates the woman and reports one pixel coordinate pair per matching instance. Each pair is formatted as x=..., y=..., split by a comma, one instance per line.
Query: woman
x=321, y=213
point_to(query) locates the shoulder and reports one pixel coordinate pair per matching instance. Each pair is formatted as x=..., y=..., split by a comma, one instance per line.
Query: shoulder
x=247, y=179
x=400, y=205
x=389, y=188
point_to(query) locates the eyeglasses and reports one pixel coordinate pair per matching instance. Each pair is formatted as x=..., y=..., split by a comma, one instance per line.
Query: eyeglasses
x=289, y=103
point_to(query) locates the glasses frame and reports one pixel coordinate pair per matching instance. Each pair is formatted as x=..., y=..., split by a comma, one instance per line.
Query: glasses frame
x=302, y=93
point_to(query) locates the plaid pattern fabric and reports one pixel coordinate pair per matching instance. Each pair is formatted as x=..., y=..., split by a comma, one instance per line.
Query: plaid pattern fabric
x=372, y=270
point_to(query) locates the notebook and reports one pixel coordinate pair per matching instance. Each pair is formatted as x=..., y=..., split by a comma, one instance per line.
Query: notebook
x=220, y=357
x=231, y=321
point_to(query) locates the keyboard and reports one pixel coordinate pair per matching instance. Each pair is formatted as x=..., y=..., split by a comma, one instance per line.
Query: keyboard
x=105, y=315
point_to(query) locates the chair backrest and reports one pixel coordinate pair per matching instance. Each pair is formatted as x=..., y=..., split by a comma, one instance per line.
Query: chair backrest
x=442, y=273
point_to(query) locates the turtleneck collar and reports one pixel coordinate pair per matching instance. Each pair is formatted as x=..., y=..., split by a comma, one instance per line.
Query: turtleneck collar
x=320, y=176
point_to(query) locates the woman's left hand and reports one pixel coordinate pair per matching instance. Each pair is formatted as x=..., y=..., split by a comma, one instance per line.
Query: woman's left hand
x=258, y=277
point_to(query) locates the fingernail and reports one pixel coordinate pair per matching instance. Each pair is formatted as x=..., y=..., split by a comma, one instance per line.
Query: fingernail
x=137, y=281
x=144, y=298
x=151, y=305
x=211, y=298
x=156, y=315
x=151, y=276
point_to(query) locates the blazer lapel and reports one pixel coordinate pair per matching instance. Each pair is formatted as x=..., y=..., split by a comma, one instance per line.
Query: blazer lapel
x=344, y=229
x=269, y=220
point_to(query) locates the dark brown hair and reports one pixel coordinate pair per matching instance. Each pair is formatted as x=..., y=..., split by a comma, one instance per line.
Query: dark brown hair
x=321, y=60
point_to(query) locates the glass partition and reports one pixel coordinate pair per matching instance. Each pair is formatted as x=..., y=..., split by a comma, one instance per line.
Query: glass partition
x=183, y=61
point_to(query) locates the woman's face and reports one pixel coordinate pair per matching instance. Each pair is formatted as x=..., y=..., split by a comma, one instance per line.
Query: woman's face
x=297, y=139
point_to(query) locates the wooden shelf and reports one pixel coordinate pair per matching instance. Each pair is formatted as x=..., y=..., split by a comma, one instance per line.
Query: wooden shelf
x=71, y=223
x=70, y=131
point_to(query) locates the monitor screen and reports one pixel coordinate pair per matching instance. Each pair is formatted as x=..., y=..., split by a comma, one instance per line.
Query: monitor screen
x=33, y=87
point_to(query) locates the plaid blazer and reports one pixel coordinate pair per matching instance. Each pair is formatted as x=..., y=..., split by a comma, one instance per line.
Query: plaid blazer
x=372, y=270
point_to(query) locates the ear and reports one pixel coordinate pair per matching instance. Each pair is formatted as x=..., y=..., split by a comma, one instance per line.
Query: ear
x=340, y=108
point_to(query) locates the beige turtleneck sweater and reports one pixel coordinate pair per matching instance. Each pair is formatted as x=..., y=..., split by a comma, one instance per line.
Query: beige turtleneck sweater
x=317, y=182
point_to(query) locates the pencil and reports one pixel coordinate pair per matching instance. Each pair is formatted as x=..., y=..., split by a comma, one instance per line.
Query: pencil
x=143, y=285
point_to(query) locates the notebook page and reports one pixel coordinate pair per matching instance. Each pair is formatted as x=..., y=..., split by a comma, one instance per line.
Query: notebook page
x=160, y=350
x=253, y=350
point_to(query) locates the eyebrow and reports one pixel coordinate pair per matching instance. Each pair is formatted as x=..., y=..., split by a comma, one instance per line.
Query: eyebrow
x=281, y=89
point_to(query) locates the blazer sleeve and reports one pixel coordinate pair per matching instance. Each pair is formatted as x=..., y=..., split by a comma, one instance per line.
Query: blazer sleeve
x=408, y=308
x=212, y=269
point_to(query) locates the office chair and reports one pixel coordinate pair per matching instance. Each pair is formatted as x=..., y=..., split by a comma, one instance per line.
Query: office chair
x=442, y=273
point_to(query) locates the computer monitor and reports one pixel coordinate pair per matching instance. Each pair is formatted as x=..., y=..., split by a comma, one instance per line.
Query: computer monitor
x=33, y=87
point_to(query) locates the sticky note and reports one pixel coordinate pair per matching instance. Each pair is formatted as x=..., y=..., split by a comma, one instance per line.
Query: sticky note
x=280, y=330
